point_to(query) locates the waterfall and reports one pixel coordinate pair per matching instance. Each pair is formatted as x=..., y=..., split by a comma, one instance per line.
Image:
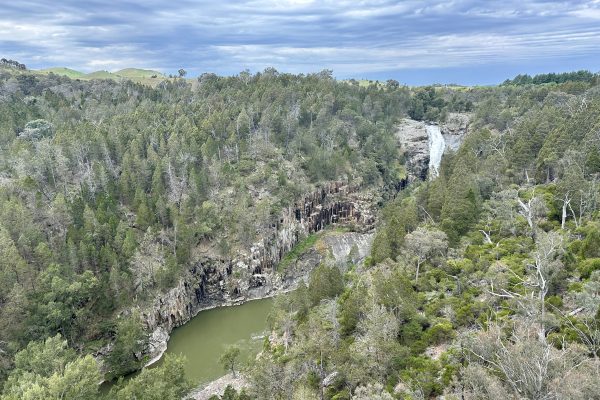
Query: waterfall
x=436, y=149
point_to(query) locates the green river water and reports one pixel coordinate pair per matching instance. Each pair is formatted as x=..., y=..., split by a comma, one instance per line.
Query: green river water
x=203, y=339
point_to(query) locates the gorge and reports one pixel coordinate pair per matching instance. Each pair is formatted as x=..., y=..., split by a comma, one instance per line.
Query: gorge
x=215, y=283
x=395, y=259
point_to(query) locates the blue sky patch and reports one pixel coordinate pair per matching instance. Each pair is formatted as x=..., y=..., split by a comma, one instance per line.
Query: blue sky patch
x=415, y=42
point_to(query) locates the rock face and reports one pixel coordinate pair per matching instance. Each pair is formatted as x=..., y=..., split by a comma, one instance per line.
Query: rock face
x=218, y=386
x=414, y=140
x=213, y=282
x=454, y=129
x=351, y=245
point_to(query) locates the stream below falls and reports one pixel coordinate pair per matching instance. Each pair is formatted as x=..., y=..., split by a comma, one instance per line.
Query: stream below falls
x=203, y=339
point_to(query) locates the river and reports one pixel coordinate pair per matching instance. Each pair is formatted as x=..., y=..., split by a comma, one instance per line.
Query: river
x=203, y=339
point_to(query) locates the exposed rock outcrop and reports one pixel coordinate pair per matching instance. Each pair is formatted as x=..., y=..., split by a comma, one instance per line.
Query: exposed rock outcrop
x=414, y=140
x=350, y=246
x=218, y=386
x=213, y=282
x=454, y=129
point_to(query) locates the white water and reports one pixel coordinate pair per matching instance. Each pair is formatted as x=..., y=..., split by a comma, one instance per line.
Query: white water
x=436, y=149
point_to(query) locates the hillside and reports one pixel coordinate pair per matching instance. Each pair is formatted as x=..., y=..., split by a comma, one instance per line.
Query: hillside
x=127, y=208
x=100, y=75
x=144, y=76
x=139, y=73
x=203, y=181
x=71, y=73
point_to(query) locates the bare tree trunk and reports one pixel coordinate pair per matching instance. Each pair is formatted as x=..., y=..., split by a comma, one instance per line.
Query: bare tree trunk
x=322, y=376
x=175, y=239
x=574, y=216
x=566, y=203
x=527, y=212
x=488, y=239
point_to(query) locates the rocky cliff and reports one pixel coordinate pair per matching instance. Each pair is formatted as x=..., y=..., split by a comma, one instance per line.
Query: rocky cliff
x=414, y=140
x=213, y=282
x=252, y=273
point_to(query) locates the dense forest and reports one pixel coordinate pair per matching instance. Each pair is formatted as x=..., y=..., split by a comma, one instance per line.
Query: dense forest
x=482, y=283
x=578, y=76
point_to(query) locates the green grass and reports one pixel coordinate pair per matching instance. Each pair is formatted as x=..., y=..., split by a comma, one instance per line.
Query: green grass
x=300, y=248
x=337, y=229
x=138, y=73
x=101, y=75
x=307, y=243
x=71, y=73
x=365, y=82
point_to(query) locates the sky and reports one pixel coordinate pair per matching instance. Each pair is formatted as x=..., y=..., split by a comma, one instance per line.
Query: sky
x=415, y=41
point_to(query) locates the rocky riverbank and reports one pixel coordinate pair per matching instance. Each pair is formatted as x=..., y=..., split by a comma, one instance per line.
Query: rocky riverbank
x=213, y=282
x=339, y=247
x=252, y=273
x=218, y=386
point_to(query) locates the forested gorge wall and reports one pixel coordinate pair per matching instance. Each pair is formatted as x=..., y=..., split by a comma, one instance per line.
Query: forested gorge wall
x=213, y=281
x=123, y=203
x=122, y=200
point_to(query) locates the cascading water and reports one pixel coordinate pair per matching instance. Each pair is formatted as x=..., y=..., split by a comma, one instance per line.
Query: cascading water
x=436, y=149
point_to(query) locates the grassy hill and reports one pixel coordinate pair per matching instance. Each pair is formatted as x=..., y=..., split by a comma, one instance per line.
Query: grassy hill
x=101, y=75
x=71, y=73
x=139, y=73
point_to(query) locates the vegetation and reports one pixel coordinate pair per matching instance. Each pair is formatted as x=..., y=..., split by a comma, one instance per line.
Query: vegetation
x=578, y=76
x=12, y=64
x=482, y=283
x=68, y=72
x=229, y=359
x=51, y=370
x=138, y=75
x=231, y=394
x=166, y=382
x=300, y=248
x=110, y=190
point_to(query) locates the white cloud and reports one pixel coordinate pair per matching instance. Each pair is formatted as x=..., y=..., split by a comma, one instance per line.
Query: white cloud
x=433, y=51
x=587, y=13
x=298, y=35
